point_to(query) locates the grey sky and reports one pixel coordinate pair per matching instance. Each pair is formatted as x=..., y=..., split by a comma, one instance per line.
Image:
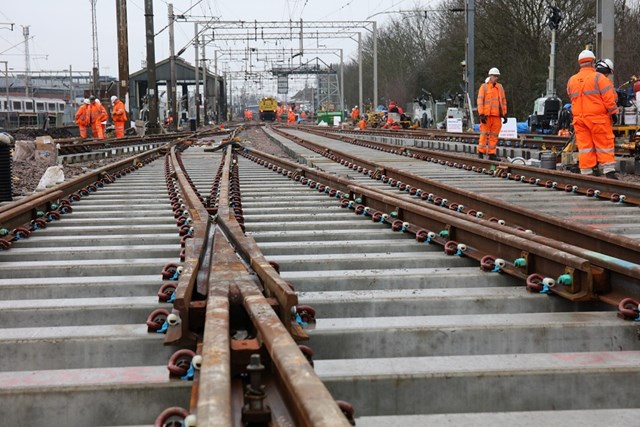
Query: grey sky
x=61, y=29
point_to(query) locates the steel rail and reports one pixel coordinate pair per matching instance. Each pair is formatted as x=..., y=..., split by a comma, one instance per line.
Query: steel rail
x=524, y=140
x=308, y=401
x=598, y=241
x=197, y=259
x=249, y=251
x=607, y=187
x=596, y=267
x=23, y=211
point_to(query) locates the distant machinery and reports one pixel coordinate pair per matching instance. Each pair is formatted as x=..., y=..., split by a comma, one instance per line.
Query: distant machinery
x=546, y=109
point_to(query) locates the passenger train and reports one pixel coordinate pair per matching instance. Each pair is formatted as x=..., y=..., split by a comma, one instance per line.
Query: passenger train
x=20, y=111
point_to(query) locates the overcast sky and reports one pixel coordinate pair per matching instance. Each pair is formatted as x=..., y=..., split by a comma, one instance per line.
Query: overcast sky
x=61, y=36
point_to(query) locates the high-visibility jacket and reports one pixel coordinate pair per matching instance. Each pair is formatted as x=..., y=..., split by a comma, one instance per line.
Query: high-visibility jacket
x=82, y=116
x=591, y=94
x=491, y=100
x=95, y=113
x=118, y=113
x=103, y=116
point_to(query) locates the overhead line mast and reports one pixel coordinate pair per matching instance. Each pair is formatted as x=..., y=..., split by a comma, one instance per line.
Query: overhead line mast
x=94, y=36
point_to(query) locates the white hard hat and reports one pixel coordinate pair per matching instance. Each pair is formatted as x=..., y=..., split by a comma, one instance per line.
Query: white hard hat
x=494, y=72
x=98, y=101
x=604, y=66
x=487, y=80
x=86, y=101
x=586, y=56
x=113, y=98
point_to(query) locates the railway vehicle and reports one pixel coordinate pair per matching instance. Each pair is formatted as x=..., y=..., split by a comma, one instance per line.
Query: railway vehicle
x=20, y=111
x=267, y=108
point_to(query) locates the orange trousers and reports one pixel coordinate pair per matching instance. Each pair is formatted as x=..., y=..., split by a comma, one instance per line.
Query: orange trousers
x=119, y=129
x=83, y=131
x=489, y=131
x=96, y=129
x=595, y=140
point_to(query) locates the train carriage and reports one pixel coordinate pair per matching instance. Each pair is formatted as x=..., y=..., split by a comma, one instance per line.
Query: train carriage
x=20, y=111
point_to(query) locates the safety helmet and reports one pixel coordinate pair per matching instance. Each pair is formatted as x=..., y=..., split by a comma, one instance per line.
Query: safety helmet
x=98, y=101
x=604, y=66
x=113, y=98
x=494, y=72
x=586, y=56
x=86, y=101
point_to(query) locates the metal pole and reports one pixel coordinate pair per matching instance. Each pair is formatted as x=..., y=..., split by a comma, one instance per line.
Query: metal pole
x=6, y=86
x=551, y=83
x=470, y=60
x=360, y=103
x=204, y=84
x=71, y=95
x=197, y=77
x=605, y=29
x=123, y=52
x=341, y=84
x=172, y=89
x=151, y=67
x=27, y=69
x=215, y=86
x=375, y=65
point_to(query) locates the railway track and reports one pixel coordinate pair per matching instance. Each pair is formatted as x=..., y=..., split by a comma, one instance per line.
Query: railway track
x=270, y=265
x=521, y=149
x=411, y=336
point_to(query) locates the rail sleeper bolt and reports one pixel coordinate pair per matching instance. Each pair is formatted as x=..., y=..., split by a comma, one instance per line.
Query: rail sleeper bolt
x=565, y=279
x=254, y=410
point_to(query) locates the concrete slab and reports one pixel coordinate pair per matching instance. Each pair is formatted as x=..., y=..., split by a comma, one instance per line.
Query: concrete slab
x=89, y=252
x=458, y=334
x=484, y=383
x=90, y=397
x=43, y=313
x=414, y=278
x=363, y=261
x=434, y=302
x=80, y=287
x=74, y=268
x=583, y=418
x=74, y=347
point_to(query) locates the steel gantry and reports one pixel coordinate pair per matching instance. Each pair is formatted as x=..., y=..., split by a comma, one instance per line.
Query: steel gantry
x=215, y=30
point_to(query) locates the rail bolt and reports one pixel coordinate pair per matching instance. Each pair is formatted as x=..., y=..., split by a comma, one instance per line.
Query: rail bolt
x=156, y=319
x=628, y=309
x=180, y=361
x=174, y=416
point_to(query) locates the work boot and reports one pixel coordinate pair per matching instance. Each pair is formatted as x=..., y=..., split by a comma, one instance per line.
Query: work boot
x=611, y=175
x=481, y=155
x=494, y=157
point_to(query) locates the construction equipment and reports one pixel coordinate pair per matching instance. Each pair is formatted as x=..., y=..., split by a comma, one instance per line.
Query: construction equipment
x=424, y=114
x=569, y=155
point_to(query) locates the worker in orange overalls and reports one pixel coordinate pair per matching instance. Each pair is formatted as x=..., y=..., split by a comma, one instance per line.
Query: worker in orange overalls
x=594, y=109
x=279, y=112
x=355, y=114
x=104, y=116
x=82, y=118
x=94, y=118
x=362, y=124
x=492, y=109
x=119, y=116
x=291, y=118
